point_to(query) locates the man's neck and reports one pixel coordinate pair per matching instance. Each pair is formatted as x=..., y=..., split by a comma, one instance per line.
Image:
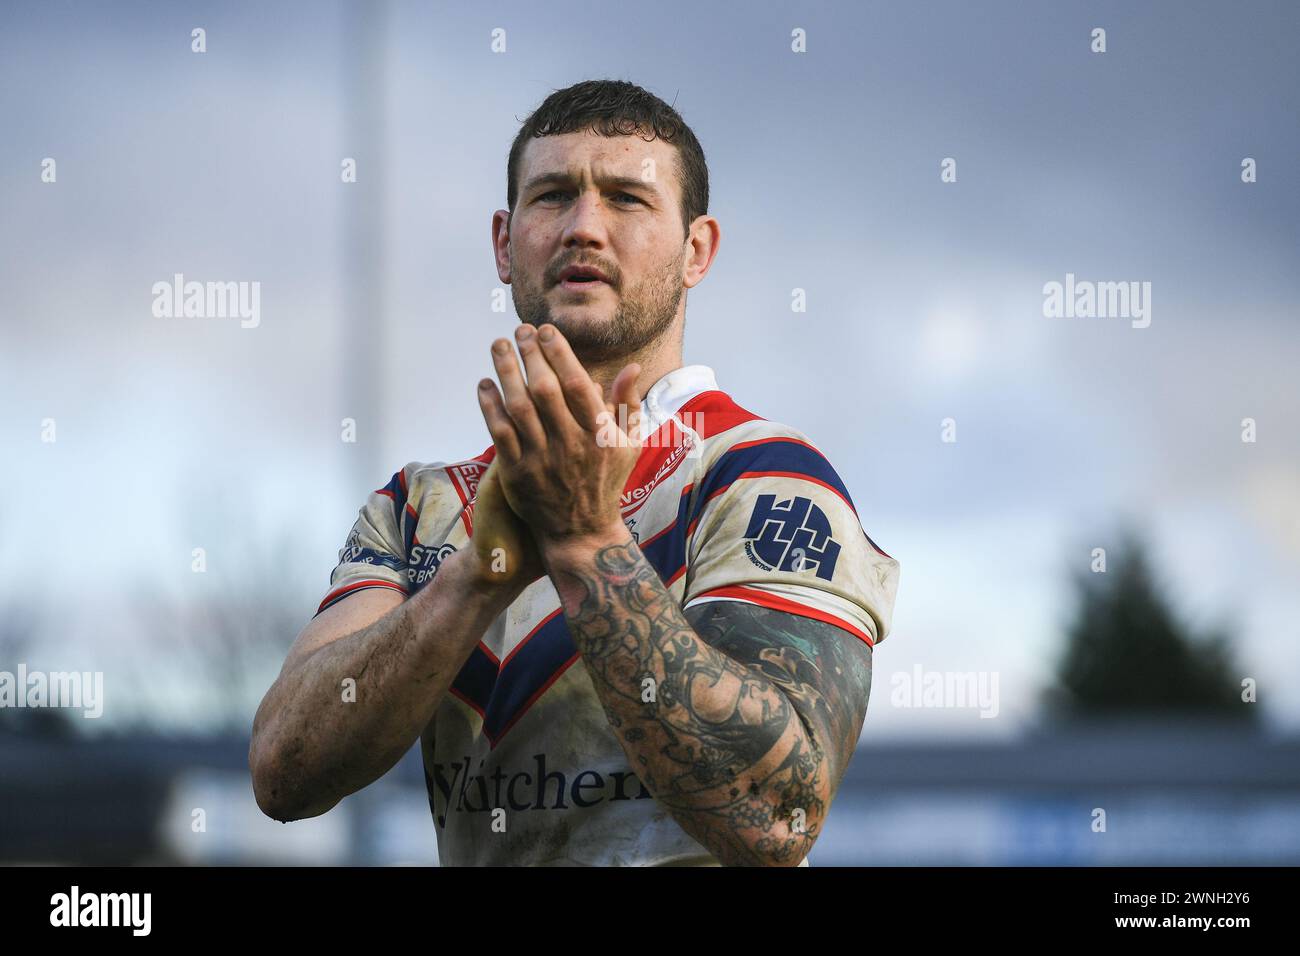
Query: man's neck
x=656, y=361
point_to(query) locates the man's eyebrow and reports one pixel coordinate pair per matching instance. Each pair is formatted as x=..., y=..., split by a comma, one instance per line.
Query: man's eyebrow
x=622, y=182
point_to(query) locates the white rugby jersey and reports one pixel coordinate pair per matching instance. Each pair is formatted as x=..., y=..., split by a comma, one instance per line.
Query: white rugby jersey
x=726, y=506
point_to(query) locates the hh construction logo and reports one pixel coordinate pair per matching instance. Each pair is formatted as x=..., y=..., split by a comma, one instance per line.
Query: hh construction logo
x=793, y=535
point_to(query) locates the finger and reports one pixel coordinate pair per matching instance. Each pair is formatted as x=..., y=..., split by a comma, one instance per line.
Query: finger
x=518, y=403
x=582, y=395
x=543, y=385
x=499, y=425
x=624, y=393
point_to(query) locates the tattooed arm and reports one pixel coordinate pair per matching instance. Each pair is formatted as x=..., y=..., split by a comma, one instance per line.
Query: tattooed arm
x=748, y=718
x=741, y=729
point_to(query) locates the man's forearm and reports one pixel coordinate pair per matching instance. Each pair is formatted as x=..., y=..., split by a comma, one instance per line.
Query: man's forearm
x=715, y=742
x=312, y=747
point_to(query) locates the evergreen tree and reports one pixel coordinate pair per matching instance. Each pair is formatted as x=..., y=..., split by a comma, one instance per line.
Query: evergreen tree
x=1128, y=655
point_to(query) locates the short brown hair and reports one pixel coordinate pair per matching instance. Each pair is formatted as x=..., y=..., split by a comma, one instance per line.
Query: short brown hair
x=613, y=108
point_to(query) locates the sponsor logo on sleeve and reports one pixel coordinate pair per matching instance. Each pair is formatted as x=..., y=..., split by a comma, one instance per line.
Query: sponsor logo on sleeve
x=466, y=478
x=425, y=561
x=354, y=552
x=791, y=535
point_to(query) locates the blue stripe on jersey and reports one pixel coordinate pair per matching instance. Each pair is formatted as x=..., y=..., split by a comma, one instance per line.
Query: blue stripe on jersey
x=535, y=663
x=408, y=530
x=774, y=455
x=401, y=521
x=667, y=552
x=477, y=677
x=502, y=695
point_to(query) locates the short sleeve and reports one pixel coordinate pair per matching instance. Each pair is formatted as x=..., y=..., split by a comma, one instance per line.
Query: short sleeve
x=772, y=524
x=374, y=554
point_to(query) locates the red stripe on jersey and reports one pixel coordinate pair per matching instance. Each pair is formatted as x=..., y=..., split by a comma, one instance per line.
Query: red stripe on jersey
x=784, y=474
x=708, y=414
x=762, y=598
x=798, y=475
x=466, y=701
x=659, y=534
x=540, y=624
x=458, y=481
x=715, y=412
x=771, y=438
x=769, y=474
x=536, y=695
x=464, y=502
x=357, y=585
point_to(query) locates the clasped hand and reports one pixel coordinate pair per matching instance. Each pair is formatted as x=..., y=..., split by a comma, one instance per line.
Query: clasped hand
x=564, y=450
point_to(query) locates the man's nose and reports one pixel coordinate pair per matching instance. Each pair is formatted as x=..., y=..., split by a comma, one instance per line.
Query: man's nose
x=586, y=224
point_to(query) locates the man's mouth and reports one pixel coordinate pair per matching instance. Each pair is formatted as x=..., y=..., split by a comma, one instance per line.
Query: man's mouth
x=582, y=283
x=582, y=277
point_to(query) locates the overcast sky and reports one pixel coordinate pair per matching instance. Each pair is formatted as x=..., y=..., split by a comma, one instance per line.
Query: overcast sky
x=925, y=298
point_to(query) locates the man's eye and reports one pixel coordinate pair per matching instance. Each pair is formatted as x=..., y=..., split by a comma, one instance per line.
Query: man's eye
x=560, y=194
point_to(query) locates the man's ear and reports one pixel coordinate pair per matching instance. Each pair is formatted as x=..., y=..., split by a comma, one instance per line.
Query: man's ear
x=501, y=243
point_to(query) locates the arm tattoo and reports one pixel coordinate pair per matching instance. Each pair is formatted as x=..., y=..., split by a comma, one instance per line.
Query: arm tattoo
x=824, y=670
x=739, y=719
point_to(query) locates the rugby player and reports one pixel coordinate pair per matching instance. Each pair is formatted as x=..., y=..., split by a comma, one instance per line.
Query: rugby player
x=638, y=628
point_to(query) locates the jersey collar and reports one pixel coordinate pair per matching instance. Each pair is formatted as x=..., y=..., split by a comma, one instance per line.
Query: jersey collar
x=671, y=392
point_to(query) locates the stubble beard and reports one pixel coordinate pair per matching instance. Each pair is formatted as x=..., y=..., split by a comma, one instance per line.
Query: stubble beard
x=644, y=314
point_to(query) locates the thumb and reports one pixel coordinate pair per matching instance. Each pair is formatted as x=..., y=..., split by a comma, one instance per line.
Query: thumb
x=624, y=392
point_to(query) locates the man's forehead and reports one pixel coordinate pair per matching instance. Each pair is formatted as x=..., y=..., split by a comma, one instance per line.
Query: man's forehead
x=586, y=153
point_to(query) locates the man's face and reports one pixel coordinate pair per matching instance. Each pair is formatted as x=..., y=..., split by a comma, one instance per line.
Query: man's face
x=609, y=203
